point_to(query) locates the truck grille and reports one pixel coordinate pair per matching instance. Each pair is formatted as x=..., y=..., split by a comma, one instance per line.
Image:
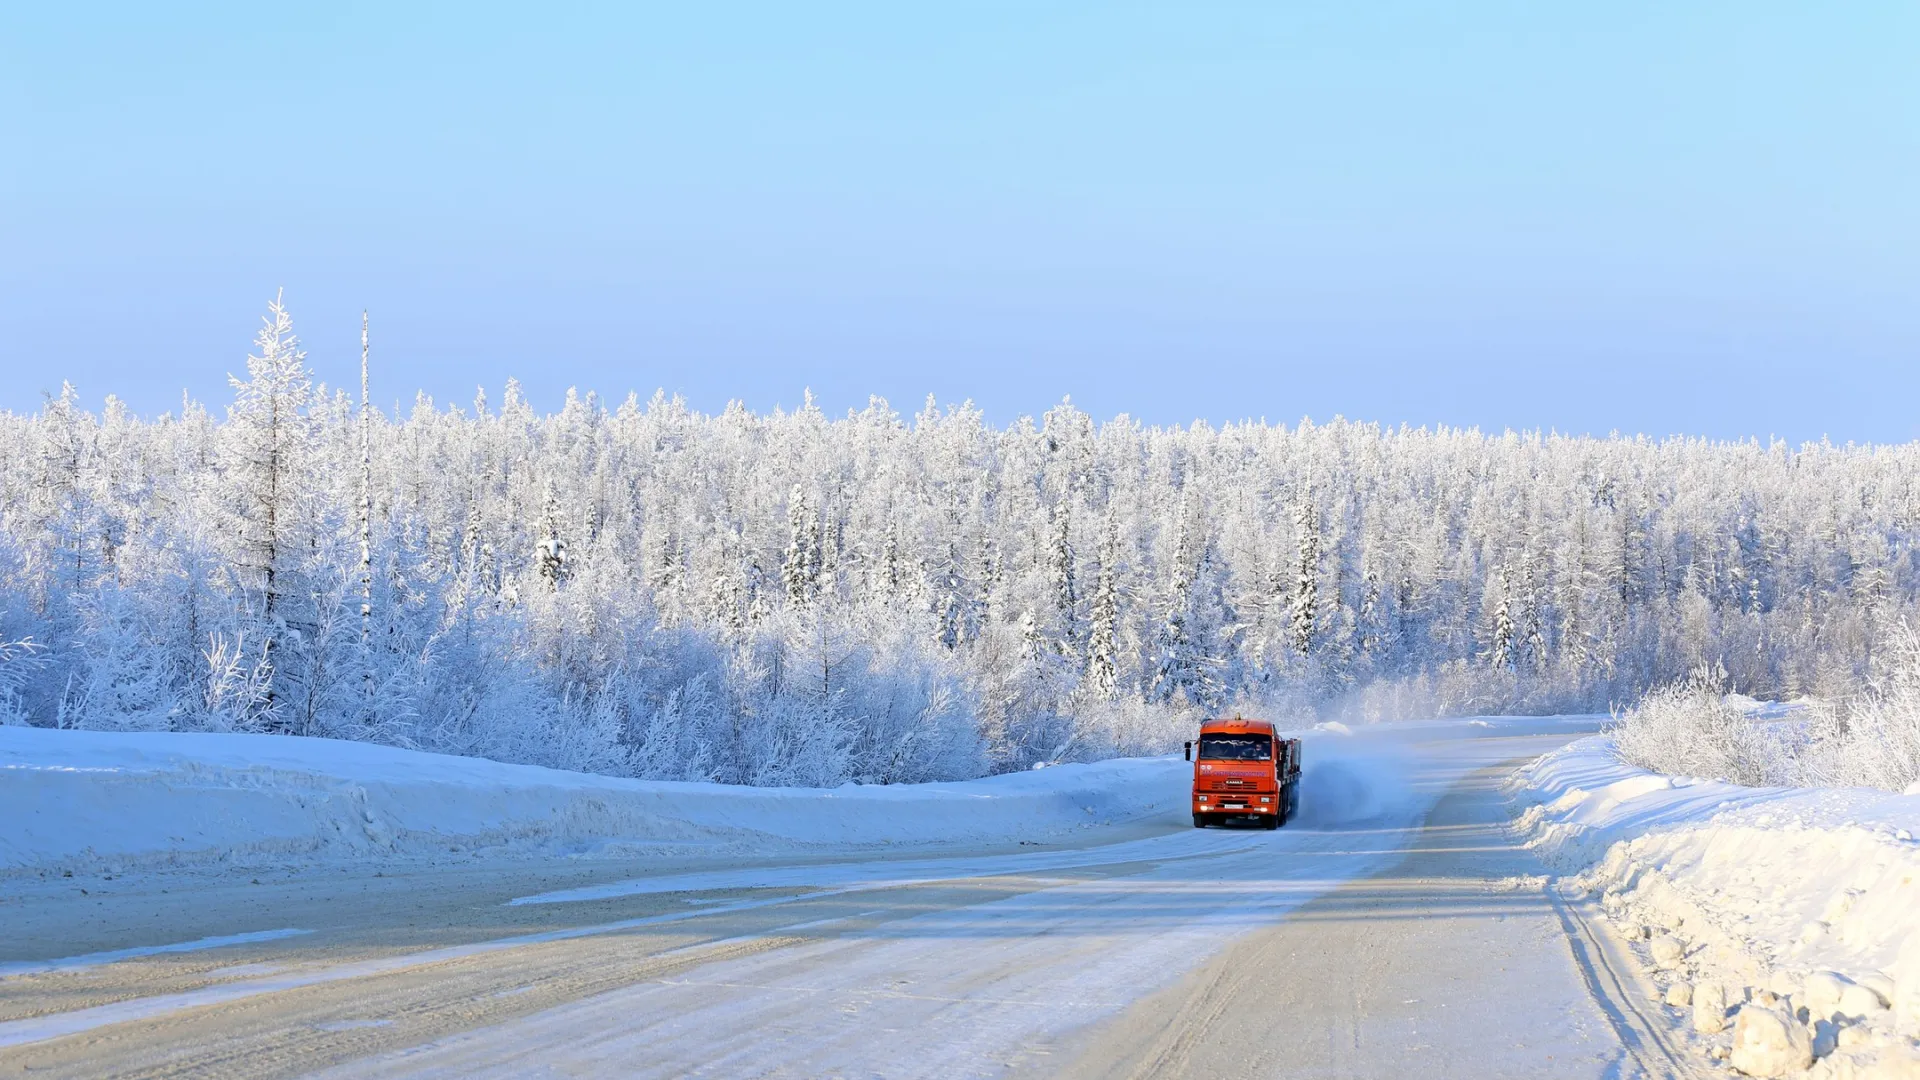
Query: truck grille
x=1234, y=783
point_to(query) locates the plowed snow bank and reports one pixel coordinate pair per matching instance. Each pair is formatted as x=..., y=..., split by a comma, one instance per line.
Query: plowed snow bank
x=80, y=800
x=1790, y=892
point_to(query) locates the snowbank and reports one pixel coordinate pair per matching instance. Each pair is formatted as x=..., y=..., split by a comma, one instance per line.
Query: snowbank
x=1808, y=895
x=81, y=800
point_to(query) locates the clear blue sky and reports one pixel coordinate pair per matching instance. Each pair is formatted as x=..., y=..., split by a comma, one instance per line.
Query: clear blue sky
x=1698, y=217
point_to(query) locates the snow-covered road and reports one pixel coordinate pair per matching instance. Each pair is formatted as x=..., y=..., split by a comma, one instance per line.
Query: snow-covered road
x=1173, y=953
x=1452, y=961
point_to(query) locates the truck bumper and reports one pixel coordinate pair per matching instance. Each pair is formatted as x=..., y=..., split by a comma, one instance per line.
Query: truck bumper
x=1238, y=804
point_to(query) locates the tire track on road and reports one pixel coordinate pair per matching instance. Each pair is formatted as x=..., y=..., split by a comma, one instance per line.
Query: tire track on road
x=271, y=1029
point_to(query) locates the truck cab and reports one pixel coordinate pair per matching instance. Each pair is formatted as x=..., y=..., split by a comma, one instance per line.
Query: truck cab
x=1243, y=771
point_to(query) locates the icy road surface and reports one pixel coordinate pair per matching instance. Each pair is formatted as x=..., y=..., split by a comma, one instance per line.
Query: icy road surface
x=1395, y=930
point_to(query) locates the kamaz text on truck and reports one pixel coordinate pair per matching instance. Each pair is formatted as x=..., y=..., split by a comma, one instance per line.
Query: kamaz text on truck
x=1244, y=772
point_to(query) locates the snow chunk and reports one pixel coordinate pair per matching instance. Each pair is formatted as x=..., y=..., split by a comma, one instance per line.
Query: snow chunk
x=1891, y=1063
x=1667, y=951
x=1896, y=1063
x=1821, y=993
x=1709, y=1008
x=1767, y=1042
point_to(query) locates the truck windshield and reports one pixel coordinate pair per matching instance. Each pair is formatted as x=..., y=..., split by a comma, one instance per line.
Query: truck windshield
x=1236, y=748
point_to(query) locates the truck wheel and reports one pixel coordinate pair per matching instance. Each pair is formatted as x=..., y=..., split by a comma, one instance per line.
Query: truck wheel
x=1273, y=821
x=1280, y=816
x=1199, y=821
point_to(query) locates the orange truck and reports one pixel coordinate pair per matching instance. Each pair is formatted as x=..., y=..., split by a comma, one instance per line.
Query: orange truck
x=1244, y=772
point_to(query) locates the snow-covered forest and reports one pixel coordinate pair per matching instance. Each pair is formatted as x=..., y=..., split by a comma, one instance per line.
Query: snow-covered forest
x=794, y=598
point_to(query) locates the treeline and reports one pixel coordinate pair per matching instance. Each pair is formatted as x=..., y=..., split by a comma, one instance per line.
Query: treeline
x=793, y=598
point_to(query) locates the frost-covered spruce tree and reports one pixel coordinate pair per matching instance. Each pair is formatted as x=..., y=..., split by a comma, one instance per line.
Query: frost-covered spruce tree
x=1180, y=677
x=269, y=470
x=1103, y=646
x=1060, y=569
x=800, y=564
x=1530, y=631
x=77, y=543
x=551, y=553
x=1500, y=647
x=1304, y=608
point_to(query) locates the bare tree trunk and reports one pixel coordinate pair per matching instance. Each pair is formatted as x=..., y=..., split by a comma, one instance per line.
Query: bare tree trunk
x=366, y=520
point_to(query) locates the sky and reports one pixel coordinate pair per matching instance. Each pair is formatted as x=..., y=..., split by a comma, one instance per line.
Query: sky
x=1654, y=218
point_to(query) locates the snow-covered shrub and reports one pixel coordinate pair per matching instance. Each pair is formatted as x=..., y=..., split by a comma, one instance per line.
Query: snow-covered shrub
x=235, y=686
x=19, y=662
x=673, y=736
x=1688, y=728
x=124, y=683
x=828, y=699
x=1873, y=740
x=917, y=718
x=1023, y=692
x=1128, y=728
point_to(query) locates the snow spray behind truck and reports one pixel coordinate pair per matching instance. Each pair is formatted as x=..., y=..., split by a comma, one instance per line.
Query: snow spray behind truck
x=1246, y=772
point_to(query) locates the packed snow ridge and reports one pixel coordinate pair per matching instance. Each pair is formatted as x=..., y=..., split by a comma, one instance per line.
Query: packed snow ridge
x=87, y=801
x=1782, y=925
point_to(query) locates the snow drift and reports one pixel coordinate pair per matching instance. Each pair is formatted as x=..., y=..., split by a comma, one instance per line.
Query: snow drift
x=1804, y=896
x=83, y=800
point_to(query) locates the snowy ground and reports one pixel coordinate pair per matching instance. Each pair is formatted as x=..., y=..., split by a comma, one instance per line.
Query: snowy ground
x=791, y=933
x=1805, y=901
x=90, y=802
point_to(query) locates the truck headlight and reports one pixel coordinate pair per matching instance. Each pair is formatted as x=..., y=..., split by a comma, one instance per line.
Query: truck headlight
x=1263, y=798
x=1203, y=798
